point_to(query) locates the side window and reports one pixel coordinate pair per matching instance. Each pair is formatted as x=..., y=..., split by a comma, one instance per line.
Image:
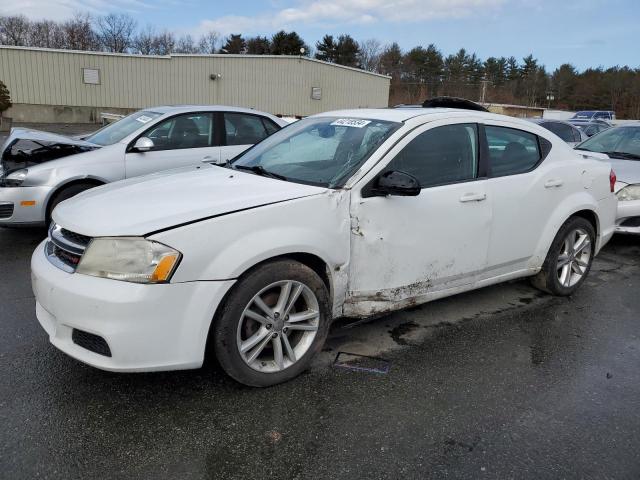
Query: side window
x=192, y=130
x=243, y=129
x=440, y=155
x=269, y=126
x=511, y=151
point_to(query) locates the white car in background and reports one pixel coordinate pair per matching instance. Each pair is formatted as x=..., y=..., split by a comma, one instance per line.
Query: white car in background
x=620, y=146
x=38, y=170
x=350, y=213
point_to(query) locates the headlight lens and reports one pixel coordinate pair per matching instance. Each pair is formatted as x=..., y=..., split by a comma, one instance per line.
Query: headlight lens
x=15, y=179
x=130, y=259
x=628, y=193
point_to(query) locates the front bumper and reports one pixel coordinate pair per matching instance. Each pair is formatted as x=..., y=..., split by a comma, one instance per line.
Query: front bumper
x=628, y=218
x=146, y=327
x=28, y=204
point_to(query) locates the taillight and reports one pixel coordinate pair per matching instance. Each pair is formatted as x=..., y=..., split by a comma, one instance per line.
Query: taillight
x=612, y=180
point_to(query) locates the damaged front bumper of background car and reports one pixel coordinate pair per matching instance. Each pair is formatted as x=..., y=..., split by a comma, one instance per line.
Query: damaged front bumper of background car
x=25, y=148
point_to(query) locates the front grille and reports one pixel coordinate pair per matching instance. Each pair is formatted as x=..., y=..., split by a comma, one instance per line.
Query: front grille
x=64, y=248
x=69, y=259
x=75, y=237
x=6, y=210
x=93, y=343
x=631, y=222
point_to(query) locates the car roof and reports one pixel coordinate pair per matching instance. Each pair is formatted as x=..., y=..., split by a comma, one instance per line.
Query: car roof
x=587, y=121
x=549, y=120
x=400, y=114
x=200, y=108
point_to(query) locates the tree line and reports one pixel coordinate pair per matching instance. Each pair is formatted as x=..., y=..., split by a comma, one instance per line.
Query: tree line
x=416, y=74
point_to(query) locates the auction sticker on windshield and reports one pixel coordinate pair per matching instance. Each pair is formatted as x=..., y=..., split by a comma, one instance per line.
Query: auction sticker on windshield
x=351, y=122
x=144, y=119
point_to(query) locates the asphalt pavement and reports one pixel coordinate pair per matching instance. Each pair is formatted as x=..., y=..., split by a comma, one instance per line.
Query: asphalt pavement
x=500, y=383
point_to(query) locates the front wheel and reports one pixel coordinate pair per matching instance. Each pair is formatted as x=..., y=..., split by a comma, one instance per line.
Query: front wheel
x=272, y=323
x=569, y=259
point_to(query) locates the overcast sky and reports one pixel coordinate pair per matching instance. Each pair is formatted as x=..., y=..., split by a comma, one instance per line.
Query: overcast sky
x=582, y=32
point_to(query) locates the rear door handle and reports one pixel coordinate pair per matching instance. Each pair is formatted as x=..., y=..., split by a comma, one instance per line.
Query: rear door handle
x=473, y=197
x=553, y=183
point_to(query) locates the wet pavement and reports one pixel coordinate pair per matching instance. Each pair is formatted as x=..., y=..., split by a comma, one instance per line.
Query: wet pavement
x=499, y=383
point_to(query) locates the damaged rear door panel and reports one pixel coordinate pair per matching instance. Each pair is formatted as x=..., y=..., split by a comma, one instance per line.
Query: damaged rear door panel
x=405, y=250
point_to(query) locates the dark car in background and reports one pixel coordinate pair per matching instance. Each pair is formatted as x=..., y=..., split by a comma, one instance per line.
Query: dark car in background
x=605, y=115
x=567, y=132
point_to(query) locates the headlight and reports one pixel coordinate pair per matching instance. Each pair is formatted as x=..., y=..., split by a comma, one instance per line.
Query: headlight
x=130, y=259
x=15, y=179
x=628, y=193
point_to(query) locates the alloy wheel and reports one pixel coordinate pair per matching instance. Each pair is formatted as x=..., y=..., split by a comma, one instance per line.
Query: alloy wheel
x=575, y=256
x=278, y=326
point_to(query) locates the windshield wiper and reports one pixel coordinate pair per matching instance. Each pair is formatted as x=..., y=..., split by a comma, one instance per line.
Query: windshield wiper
x=259, y=170
x=625, y=155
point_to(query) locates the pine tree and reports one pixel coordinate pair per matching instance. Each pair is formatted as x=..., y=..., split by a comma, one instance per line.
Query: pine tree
x=258, y=46
x=5, y=99
x=326, y=49
x=283, y=43
x=347, y=51
x=235, y=44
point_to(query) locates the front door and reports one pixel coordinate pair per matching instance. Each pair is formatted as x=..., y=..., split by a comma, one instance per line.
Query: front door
x=406, y=248
x=179, y=141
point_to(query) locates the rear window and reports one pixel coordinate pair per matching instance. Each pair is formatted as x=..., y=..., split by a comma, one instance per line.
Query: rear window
x=511, y=151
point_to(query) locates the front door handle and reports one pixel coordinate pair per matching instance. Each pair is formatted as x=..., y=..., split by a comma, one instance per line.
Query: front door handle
x=553, y=183
x=473, y=197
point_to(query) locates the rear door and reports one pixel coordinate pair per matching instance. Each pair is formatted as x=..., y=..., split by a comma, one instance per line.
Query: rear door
x=181, y=140
x=524, y=189
x=243, y=130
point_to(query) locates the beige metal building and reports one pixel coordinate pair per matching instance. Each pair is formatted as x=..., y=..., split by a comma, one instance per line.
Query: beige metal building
x=69, y=86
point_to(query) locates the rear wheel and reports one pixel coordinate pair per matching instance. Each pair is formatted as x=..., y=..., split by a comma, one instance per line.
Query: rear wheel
x=65, y=194
x=272, y=323
x=569, y=259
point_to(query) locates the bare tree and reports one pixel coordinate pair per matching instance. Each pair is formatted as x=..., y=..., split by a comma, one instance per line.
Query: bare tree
x=14, y=30
x=46, y=34
x=165, y=43
x=115, y=32
x=78, y=33
x=186, y=44
x=145, y=41
x=209, y=42
x=369, y=56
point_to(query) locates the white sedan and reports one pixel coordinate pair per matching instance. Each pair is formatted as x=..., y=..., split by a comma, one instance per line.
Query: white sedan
x=38, y=170
x=349, y=213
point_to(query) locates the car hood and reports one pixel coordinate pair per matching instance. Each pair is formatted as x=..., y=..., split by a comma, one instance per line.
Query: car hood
x=25, y=148
x=144, y=205
x=627, y=171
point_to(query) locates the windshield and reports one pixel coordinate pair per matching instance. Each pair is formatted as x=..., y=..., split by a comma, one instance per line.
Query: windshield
x=620, y=142
x=115, y=132
x=322, y=151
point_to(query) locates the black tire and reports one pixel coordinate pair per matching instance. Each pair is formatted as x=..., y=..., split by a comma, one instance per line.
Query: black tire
x=547, y=279
x=65, y=194
x=226, y=321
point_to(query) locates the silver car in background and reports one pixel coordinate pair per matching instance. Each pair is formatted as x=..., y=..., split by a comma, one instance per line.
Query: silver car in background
x=620, y=146
x=38, y=170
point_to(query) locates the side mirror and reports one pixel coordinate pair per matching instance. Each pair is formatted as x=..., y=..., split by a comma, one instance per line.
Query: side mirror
x=396, y=183
x=143, y=144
